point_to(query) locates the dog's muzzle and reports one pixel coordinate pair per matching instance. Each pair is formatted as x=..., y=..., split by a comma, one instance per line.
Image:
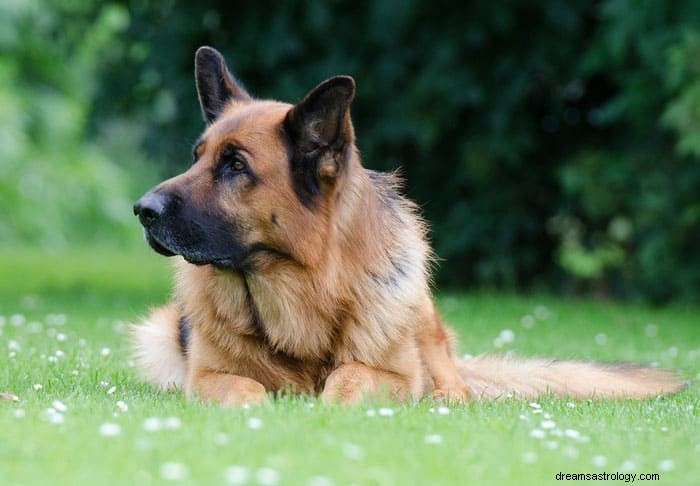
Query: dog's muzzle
x=151, y=209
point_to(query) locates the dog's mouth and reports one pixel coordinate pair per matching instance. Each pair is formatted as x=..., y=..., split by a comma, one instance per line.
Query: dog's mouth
x=194, y=258
x=157, y=245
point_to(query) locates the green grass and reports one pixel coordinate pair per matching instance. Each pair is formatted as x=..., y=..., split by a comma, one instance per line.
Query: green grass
x=300, y=441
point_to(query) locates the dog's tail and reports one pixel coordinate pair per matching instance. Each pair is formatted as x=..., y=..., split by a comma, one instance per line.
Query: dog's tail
x=158, y=348
x=495, y=376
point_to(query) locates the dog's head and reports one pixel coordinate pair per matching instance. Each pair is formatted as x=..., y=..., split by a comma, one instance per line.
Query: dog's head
x=263, y=173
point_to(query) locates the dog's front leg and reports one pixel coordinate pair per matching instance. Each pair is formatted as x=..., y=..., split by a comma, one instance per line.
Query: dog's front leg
x=351, y=382
x=225, y=388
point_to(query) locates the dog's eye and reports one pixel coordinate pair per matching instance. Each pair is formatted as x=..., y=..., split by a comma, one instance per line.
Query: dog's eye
x=231, y=162
x=235, y=163
x=238, y=164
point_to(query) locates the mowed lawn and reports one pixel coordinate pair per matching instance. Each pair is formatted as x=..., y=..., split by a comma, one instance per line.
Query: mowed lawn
x=84, y=417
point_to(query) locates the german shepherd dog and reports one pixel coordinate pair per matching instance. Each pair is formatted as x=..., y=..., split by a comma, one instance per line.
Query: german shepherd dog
x=300, y=271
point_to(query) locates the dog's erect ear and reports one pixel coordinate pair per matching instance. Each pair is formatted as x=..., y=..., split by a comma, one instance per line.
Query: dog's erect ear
x=320, y=129
x=322, y=118
x=215, y=84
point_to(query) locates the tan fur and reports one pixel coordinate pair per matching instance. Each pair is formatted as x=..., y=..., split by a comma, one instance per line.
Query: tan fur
x=348, y=312
x=501, y=376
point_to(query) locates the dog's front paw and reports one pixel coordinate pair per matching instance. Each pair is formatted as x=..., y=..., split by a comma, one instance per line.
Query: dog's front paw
x=458, y=394
x=229, y=390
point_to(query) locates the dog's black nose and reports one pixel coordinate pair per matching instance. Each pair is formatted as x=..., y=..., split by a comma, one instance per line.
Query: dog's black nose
x=150, y=207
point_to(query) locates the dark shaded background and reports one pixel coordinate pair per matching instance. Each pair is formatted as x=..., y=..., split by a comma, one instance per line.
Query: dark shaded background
x=552, y=144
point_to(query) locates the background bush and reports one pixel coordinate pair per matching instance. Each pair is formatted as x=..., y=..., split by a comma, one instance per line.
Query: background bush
x=552, y=144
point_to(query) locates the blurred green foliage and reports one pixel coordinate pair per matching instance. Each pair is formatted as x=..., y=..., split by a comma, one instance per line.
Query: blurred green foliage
x=58, y=185
x=551, y=144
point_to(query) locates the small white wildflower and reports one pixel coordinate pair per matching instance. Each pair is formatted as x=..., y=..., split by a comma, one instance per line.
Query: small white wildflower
x=59, y=406
x=386, y=412
x=221, y=439
x=527, y=321
x=17, y=320
x=254, y=423
x=371, y=412
x=13, y=354
x=433, y=439
x=152, y=424
x=507, y=336
x=56, y=319
x=118, y=326
x=173, y=471
x=537, y=434
x=601, y=339
x=467, y=356
x=172, y=423
x=352, y=451
x=38, y=386
x=535, y=405
x=570, y=405
x=570, y=452
x=628, y=465
x=651, y=330
x=548, y=424
x=599, y=461
x=61, y=337
x=122, y=406
x=320, y=481
x=13, y=345
x=547, y=416
x=236, y=474
x=59, y=353
x=542, y=313
x=529, y=457
x=666, y=465
x=572, y=434
x=550, y=444
x=34, y=327
x=523, y=417
x=109, y=429
x=18, y=413
x=443, y=410
x=56, y=418
x=664, y=429
x=267, y=476
x=105, y=351
x=537, y=411
x=53, y=359
x=111, y=390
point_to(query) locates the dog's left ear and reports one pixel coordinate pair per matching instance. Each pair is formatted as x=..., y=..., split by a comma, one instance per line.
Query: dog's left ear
x=321, y=119
x=320, y=129
x=215, y=84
